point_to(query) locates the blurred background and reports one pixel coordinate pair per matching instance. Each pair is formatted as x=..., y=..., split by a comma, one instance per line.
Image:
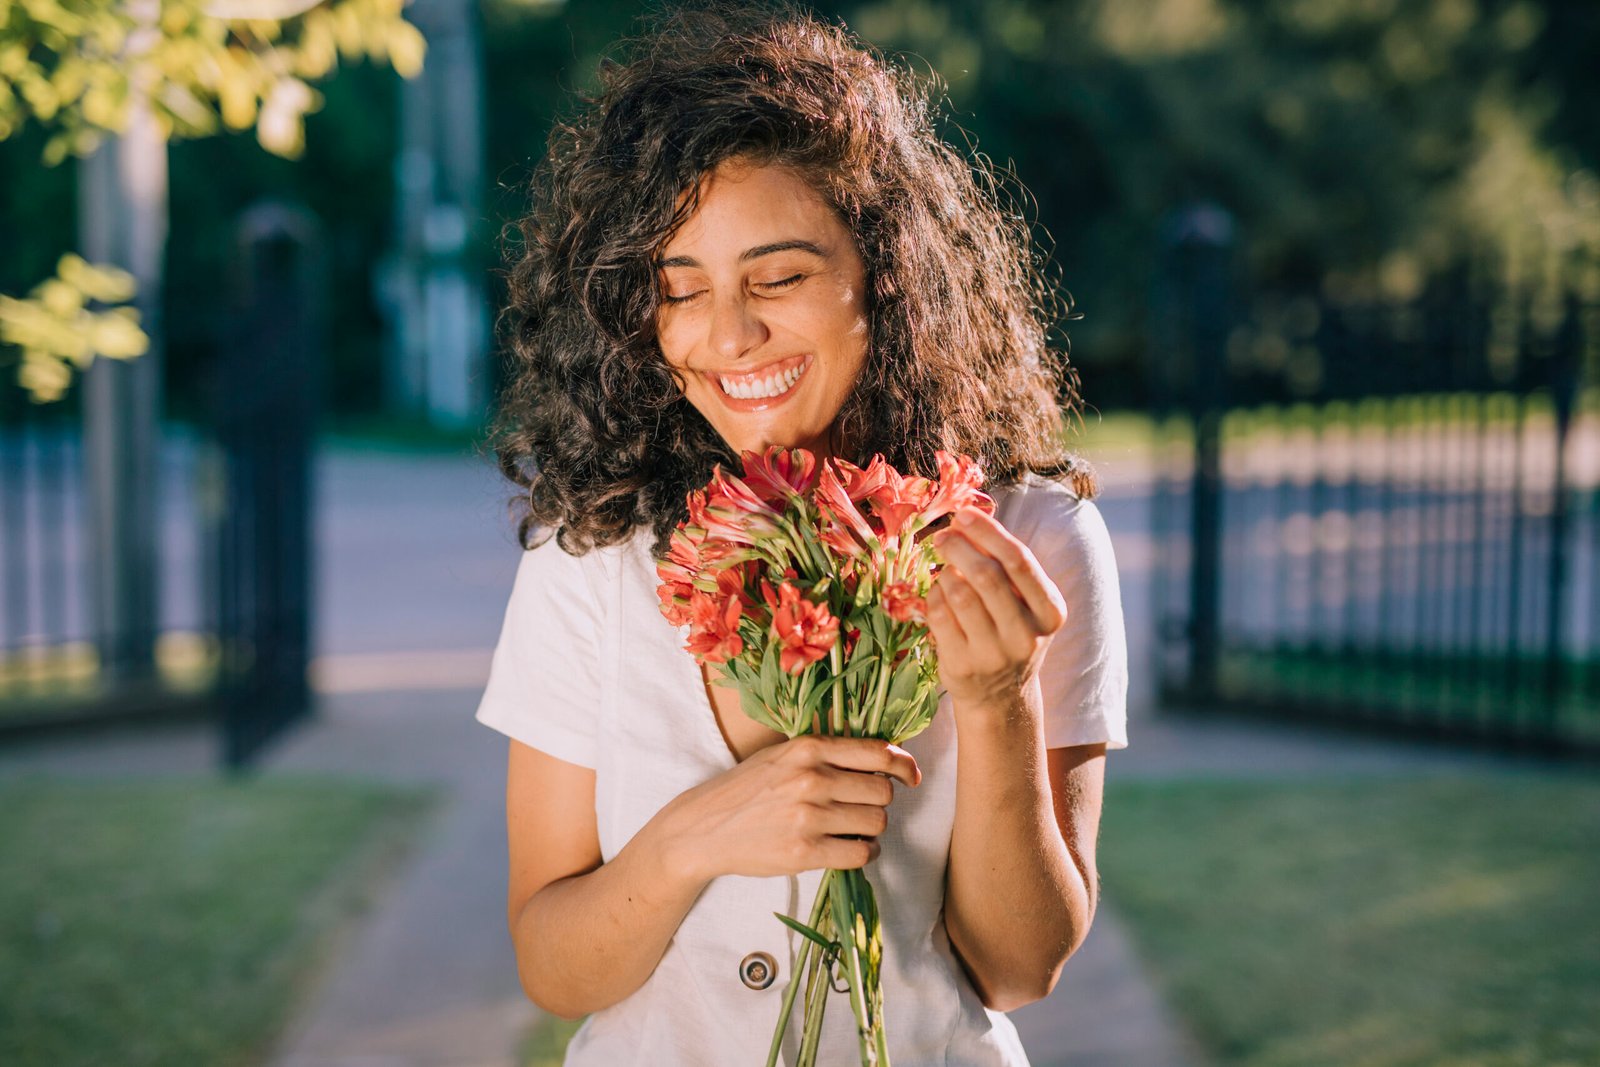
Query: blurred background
x=1338, y=264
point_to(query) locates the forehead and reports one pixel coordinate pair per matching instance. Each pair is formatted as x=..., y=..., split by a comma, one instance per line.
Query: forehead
x=741, y=204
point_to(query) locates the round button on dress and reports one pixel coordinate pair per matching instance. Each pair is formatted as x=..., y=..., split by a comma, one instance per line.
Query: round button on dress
x=758, y=969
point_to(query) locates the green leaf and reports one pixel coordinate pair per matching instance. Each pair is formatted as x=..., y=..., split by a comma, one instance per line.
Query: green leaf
x=820, y=693
x=866, y=644
x=802, y=928
x=858, y=666
x=757, y=710
x=878, y=625
x=903, y=683
x=770, y=669
x=734, y=675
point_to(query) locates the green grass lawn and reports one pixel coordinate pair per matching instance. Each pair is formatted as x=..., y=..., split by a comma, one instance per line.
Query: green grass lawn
x=1371, y=923
x=168, y=922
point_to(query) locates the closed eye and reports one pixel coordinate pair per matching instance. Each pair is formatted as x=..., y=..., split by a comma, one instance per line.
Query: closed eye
x=777, y=285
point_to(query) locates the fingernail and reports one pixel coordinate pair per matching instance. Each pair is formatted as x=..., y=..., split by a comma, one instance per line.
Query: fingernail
x=962, y=518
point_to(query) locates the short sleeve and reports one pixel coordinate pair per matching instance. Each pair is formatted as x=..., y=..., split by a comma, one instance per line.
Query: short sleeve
x=543, y=687
x=1084, y=677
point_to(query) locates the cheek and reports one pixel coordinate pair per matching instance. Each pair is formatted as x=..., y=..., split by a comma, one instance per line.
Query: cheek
x=671, y=339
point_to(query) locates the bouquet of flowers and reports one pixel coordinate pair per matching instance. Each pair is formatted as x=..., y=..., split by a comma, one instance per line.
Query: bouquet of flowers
x=807, y=586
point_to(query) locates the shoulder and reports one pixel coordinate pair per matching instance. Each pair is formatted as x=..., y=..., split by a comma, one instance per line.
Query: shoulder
x=1055, y=522
x=548, y=572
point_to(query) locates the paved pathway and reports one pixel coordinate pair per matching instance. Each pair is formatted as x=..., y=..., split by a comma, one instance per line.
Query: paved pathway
x=429, y=979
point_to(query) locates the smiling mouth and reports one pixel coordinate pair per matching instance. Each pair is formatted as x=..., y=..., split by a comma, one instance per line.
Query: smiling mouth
x=778, y=381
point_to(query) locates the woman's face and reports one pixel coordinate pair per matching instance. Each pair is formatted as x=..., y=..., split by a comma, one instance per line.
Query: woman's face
x=763, y=308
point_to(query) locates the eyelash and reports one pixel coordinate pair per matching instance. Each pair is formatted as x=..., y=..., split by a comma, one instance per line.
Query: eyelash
x=783, y=284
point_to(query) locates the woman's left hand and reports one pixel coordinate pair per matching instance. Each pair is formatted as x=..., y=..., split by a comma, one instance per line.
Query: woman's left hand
x=992, y=611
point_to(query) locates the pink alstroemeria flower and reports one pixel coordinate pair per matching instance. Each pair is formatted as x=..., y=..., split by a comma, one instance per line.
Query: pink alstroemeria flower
x=902, y=604
x=714, y=631
x=860, y=484
x=730, y=491
x=959, y=478
x=844, y=528
x=807, y=630
x=912, y=502
x=781, y=474
x=677, y=573
x=728, y=525
x=732, y=511
x=733, y=583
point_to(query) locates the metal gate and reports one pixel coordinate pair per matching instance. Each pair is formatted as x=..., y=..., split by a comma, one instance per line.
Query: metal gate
x=1382, y=511
x=231, y=637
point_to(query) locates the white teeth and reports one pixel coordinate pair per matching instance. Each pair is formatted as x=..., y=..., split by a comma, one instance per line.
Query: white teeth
x=762, y=388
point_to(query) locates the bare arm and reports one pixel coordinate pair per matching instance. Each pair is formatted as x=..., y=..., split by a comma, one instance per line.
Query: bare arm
x=1022, y=885
x=586, y=934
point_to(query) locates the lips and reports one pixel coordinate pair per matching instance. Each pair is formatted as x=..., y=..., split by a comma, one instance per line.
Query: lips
x=761, y=374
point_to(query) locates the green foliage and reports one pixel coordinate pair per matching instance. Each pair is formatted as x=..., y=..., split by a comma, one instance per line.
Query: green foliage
x=1360, y=144
x=80, y=66
x=56, y=330
x=83, y=68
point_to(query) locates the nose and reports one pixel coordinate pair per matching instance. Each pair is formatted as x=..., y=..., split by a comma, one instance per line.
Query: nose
x=735, y=328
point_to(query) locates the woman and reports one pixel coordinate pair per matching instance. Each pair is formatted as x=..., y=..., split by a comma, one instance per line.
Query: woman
x=752, y=236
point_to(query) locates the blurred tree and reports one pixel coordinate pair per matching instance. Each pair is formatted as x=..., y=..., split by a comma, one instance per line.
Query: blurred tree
x=1358, y=141
x=56, y=329
x=1361, y=143
x=114, y=83
x=83, y=69
x=536, y=56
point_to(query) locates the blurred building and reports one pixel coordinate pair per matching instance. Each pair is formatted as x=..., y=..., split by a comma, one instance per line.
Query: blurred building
x=430, y=287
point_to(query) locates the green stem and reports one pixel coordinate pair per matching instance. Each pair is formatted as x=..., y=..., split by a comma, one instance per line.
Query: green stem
x=836, y=660
x=818, y=982
x=880, y=694
x=808, y=551
x=805, y=694
x=845, y=912
x=806, y=946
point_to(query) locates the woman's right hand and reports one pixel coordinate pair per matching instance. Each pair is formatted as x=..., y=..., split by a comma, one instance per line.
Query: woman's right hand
x=782, y=809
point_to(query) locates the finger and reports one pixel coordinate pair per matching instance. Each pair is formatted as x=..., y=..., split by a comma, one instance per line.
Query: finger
x=871, y=754
x=867, y=820
x=966, y=603
x=1035, y=585
x=942, y=619
x=843, y=854
x=857, y=787
x=1010, y=615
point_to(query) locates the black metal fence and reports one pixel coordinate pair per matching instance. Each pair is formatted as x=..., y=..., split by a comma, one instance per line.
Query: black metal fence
x=230, y=636
x=1382, y=511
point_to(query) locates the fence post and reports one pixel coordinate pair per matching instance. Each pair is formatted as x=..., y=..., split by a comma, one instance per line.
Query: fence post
x=1568, y=366
x=268, y=397
x=1198, y=250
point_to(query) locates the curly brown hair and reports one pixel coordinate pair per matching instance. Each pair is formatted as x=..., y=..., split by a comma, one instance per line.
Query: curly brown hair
x=593, y=424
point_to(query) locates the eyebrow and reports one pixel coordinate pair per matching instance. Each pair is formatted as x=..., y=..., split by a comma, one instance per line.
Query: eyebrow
x=752, y=253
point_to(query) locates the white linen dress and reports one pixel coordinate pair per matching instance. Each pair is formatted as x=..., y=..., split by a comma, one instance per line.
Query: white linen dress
x=588, y=670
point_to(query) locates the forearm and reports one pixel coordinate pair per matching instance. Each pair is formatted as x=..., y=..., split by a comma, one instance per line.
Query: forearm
x=1016, y=904
x=585, y=942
